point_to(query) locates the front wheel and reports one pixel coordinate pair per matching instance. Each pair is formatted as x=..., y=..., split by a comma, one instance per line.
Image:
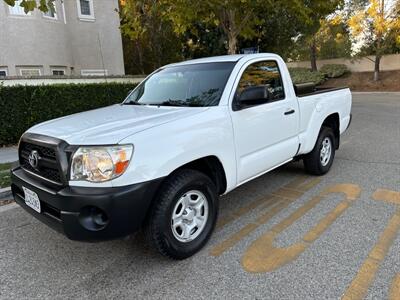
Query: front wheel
x=320, y=159
x=184, y=215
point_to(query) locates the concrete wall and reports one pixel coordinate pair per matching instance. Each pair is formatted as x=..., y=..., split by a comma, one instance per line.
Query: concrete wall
x=68, y=43
x=388, y=63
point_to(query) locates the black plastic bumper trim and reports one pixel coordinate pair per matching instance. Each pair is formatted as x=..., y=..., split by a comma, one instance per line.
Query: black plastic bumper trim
x=126, y=206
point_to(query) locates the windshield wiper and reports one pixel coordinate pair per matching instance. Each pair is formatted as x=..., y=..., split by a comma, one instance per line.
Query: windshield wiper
x=132, y=103
x=179, y=103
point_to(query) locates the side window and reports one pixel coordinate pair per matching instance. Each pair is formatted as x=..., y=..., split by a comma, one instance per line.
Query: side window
x=265, y=73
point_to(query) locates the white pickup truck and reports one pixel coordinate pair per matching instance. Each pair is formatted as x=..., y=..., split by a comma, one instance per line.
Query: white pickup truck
x=191, y=131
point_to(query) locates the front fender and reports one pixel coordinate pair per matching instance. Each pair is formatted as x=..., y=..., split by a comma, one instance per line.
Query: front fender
x=161, y=150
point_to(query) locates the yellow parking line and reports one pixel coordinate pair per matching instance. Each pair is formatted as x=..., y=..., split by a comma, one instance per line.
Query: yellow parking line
x=298, y=182
x=263, y=256
x=247, y=229
x=387, y=196
x=307, y=185
x=268, y=200
x=395, y=288
x=282, y=197
x=365, y=276
x=288, y=193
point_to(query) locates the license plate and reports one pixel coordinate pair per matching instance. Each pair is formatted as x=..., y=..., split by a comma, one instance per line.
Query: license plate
x=32, y=199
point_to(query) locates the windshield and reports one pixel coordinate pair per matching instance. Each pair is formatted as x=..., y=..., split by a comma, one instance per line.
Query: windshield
x=191, y=85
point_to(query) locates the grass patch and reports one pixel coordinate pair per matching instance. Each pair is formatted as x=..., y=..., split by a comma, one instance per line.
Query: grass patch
x=5, y=178
x=5, y=167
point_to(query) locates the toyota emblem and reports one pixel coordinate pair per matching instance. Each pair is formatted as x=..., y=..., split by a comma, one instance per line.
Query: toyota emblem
x=34, y=159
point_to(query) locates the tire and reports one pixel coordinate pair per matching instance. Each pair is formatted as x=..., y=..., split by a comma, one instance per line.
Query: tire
x=315, y=162
x=169, y=228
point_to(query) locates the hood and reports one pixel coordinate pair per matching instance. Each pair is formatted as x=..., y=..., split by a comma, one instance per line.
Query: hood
x=111, y=124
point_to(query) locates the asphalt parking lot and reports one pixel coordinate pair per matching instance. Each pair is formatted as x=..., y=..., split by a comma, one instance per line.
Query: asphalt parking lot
x=286, y=235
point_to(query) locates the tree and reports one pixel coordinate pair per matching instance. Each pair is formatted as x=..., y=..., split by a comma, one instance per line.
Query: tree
x=378, y=24
x=333, y=38
x=280, y=27
x=236, y=18
x=203, y=40
x=149, y=39
x=317, y=10
x=30, y=5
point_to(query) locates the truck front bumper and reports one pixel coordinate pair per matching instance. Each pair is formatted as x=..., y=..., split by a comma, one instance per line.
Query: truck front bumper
x=84, y=213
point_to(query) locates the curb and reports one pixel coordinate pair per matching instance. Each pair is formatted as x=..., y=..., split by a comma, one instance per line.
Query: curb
x=5, y=193
x=8, y=207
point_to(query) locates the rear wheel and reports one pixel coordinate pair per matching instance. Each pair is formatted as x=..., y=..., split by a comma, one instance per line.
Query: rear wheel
x=185, y=214
x=320, y=159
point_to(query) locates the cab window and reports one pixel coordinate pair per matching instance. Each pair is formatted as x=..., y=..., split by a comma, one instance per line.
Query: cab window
x=265, y=73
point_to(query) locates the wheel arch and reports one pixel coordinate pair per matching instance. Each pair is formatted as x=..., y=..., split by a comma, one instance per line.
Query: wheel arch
x=333, y=121
x=309, y=138
x=210, y=166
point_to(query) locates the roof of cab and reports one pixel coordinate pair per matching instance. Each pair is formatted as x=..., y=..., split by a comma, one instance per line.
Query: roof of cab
x=222, y=58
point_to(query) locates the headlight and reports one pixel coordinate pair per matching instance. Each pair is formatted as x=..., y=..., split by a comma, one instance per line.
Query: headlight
x=97, y=164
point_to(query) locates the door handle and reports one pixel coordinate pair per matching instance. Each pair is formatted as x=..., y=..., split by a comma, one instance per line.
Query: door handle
x=289, y=112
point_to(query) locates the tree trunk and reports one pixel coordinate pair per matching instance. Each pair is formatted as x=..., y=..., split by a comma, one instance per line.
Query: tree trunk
x=379, y=35
x=140, y=57
x=232, y=43
x=377, y=67
x=313, y=55
x=230, y=27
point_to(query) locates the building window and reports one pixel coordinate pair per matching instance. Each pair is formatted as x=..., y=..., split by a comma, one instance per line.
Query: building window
x=57, y=72
x=17, y=9
x=30, y=72
x=85, y=9
x=51, y=14
x=98, y=72
x=3, y=72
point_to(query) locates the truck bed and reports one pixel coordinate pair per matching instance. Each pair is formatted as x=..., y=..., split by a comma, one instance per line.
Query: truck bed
x=309, y=89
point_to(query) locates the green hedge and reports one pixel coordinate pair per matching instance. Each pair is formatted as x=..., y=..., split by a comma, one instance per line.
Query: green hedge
x=24, y=106
x=333, y=71
x=303, y=75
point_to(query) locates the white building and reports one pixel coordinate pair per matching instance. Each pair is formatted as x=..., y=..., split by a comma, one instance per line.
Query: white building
x=82, y=37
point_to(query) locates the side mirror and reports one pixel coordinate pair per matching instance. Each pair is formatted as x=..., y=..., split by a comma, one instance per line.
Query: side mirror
x=254, y=95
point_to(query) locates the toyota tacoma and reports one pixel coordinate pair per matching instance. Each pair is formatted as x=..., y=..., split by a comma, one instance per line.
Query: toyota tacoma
x=190, y=132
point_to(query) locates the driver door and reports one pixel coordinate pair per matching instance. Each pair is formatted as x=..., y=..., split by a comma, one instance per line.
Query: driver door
x=265, y=134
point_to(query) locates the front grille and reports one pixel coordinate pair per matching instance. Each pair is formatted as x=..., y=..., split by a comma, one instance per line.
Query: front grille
x=48, y=166
x=44, y=151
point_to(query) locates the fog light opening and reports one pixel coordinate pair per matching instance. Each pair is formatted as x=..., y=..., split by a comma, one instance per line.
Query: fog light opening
x=93, y=218
x=100, y=219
